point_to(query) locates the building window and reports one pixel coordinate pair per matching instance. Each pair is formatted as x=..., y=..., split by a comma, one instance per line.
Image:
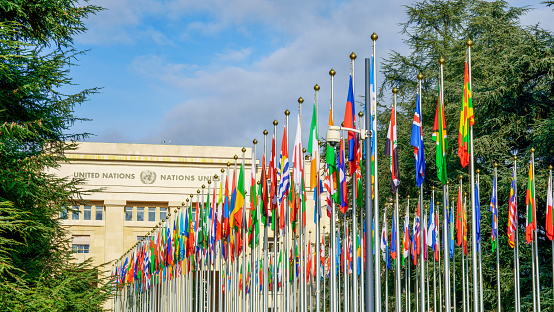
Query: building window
x=128, y=213
x=75, y=213
x=63, y=213
x=99, y=211
x=88, y=212
x=151, y=213
x=140, y=213
x=163, y=213
x=80, y=248
x=81, y=243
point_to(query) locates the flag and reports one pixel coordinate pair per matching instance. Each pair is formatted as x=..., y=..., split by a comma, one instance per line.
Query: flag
x=549, y=226
x=392, y=152
x=342, y=175
x=349, y=122
x=530, y=203
x=416, y=141
x=466, y=120
x=406, y=242
x=393, y=238
x=384, y=244
x=264, y=194
x=494, y=212
x=236, y=215
x=464, y=226
x=477, y=218
x=313, y=150
x=283, y=167
x=451, y=230
x=439, y=136
x=322, y=250
x=373, y=126
x=417, y=230
x=512, y=212
x=424, y=236
x=431, y=228
x=459, y=219
x=330, y=191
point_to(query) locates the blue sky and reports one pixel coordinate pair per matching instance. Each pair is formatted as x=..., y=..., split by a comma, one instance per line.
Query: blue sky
x=217, y=72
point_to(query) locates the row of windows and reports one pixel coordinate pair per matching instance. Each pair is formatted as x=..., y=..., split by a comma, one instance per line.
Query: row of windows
x=141, y=211
x=89, y=213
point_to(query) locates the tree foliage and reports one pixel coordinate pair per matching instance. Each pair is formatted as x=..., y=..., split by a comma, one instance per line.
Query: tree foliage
x=36, y=267
x=513, y=91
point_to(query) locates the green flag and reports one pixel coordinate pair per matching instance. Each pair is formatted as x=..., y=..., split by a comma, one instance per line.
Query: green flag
x=439, y=136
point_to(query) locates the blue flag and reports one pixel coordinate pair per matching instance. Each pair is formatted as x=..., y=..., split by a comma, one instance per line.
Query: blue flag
x=417, y=142
x=477, y=218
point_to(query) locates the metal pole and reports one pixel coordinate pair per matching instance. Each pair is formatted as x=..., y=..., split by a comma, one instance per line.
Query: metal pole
x=334, y=299
x=318, y=208
x=445, y=213
x=354, y=224
x=376, y=191
x=536, y=241
x=397, y=229
x=472, y=189
x=499, y=305
x=368, y=294
x=516, y=250
x=480, y=262
x=244, y=229
x=265, y=248
x=422, y=268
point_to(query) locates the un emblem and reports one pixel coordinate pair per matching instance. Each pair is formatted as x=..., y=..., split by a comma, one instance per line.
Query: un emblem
x=148, y=177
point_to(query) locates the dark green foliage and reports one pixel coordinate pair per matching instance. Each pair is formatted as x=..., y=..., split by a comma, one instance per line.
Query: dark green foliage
x=36, y=268
x=512, y=86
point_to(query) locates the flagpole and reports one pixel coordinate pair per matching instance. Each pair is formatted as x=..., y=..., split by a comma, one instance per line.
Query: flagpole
x=476, y=307
x=354, y=195
x=300, y=225
x=285, y=242
x=435, y=245
x=550, y=177
x=275, y=222
x=407, y=278
x=397, y=227
x=422, y=268
x=368, y=293
x=362, y=222
x=209, y=264
x=317, y=206
x=253, y=247
x=377, y=294
x=264, y=248
x=516, y=250
x=334, y=298
x=480, y=253
x=495, y=189
x=324, y=290
x=428, y=293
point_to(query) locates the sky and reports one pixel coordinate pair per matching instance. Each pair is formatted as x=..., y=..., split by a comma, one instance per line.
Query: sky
x=218, y=72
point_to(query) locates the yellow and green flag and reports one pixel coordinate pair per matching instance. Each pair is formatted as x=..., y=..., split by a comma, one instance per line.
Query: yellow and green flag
x=466, y=120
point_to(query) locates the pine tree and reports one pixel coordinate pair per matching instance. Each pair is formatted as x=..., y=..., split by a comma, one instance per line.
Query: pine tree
x=513, y=72
x=37, y=272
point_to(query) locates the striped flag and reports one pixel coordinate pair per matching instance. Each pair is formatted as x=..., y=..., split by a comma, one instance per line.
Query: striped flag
x=466, y=120
x=329, y=190
x=392, y=152
x=298, y=169
x=512, y=212
x=530, y=203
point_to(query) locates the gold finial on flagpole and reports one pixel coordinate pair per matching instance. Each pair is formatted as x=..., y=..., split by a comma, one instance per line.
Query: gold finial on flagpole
x=287, y=112
x=419, y=76
x=360, y=114
x=394, y=90
x=465, y=193
x=265, y=132
x=460, y=177
x=222, y=171
x=316, y=87
x=447, y=182
x=495, y=164
x=275, y=122
x=255, y=141
x=408, y=196
x=353, y=56
x=191, y=197
x=203, y=186
x=469, y=43
x=515, y=157
x=432, y=187
x=550, y=167
x=532, y=149
x=442, y=60
x=198, y=191
x=300, y=100
x=374, y=37
x=332, y=72
x=244, y=150
x=477, y=171
x=235, y=157
x=303, y=150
